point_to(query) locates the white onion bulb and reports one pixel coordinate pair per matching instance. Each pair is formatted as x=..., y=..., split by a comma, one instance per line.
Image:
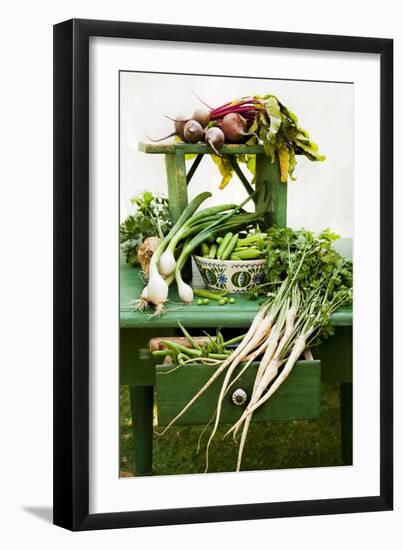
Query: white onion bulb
x=185, y=291
x=167, y=263
x=157, y=287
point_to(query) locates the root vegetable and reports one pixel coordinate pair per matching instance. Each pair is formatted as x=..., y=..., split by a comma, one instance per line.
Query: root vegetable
x=214, y=137
x=297, y=351
x=255, y=341
x=193, y=131
x=257, y=320
x=146, y=251
x=202, y=115
x=234, y=127
x=295, y=314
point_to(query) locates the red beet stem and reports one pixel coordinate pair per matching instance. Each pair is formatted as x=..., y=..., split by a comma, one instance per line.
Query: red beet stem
x=247, y=108
x=239, y=101
x=251, y=104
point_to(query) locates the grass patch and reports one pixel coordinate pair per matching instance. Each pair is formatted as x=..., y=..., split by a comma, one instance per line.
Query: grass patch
x=274, y=445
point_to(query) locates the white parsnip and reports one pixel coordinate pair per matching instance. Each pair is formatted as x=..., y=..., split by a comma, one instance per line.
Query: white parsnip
x=297, y=351
x=256, y=340
x=311, y=283
x=238, y=350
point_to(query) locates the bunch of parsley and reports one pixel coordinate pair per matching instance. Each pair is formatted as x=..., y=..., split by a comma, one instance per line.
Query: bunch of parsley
x=151, y=218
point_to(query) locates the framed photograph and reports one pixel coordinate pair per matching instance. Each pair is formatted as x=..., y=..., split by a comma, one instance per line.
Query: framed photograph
x=223, y=274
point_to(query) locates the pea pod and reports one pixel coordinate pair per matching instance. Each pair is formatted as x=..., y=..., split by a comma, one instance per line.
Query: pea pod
x=213, y=250
x=231, y=245
x=223, y=245
x=210, y=294
x=250, y=254
x=205, y=249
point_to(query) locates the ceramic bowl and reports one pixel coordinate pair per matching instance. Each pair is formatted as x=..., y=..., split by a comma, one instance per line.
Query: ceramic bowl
x=230, y=275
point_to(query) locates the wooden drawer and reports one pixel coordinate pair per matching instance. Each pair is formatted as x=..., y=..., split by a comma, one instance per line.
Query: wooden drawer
x=297, y=399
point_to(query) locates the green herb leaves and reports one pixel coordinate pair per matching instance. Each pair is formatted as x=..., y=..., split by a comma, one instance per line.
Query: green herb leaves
x=151, y=218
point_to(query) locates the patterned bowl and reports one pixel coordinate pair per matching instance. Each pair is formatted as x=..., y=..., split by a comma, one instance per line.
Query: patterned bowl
x=230, y=275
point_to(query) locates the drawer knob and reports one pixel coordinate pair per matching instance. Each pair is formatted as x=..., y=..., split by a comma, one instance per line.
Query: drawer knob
x=239, y=397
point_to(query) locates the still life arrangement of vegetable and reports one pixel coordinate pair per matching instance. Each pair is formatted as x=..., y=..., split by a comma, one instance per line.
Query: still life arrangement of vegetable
x=298, y=276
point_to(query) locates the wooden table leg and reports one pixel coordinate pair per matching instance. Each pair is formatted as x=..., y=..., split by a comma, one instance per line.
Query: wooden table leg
x=141, y=403
x=268, y=175
x=346, y=412
x=177, y=194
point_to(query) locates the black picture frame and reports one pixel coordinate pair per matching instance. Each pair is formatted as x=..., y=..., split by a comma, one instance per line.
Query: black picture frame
x=71, y=273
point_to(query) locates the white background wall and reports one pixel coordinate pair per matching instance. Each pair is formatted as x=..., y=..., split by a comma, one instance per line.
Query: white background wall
x=321, y=196
x=25, y=217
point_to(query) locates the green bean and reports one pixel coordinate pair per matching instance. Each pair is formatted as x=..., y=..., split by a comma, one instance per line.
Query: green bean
x=188, y=337
x=182, y=357
x=178, y=348
x=162, y=352
x=234, y=340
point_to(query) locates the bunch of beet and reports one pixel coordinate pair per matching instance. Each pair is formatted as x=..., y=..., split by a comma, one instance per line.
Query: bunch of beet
x=228, y=123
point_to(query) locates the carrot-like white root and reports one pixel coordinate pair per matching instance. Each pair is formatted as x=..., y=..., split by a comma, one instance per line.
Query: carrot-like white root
x=295, y=354
x=269, y=365
x=246, y=416
x=250, y=360
x=308, y=355
x=252, y=330
x=260, y=334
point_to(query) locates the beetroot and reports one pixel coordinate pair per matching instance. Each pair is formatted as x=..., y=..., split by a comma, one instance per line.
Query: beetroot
x=234, y=125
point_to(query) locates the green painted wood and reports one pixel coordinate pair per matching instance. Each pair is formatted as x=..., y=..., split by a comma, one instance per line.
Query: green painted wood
x=142, y=403
x=169, y=148
x=336, y=355
x=239, y=314
x=137, y=365
x=346, y=410
x=177, y=184
x=297, y=399
x=194, y=167
x=268, y=174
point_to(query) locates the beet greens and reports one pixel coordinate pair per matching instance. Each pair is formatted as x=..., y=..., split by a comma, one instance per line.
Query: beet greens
x=251, y=120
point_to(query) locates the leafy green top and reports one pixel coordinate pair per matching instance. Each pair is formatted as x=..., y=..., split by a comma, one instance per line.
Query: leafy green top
x=276, y=127
x=150, y=218
x=323, y=277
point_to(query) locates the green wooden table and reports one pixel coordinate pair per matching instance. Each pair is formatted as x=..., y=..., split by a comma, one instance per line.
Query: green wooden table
x=137, y=365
